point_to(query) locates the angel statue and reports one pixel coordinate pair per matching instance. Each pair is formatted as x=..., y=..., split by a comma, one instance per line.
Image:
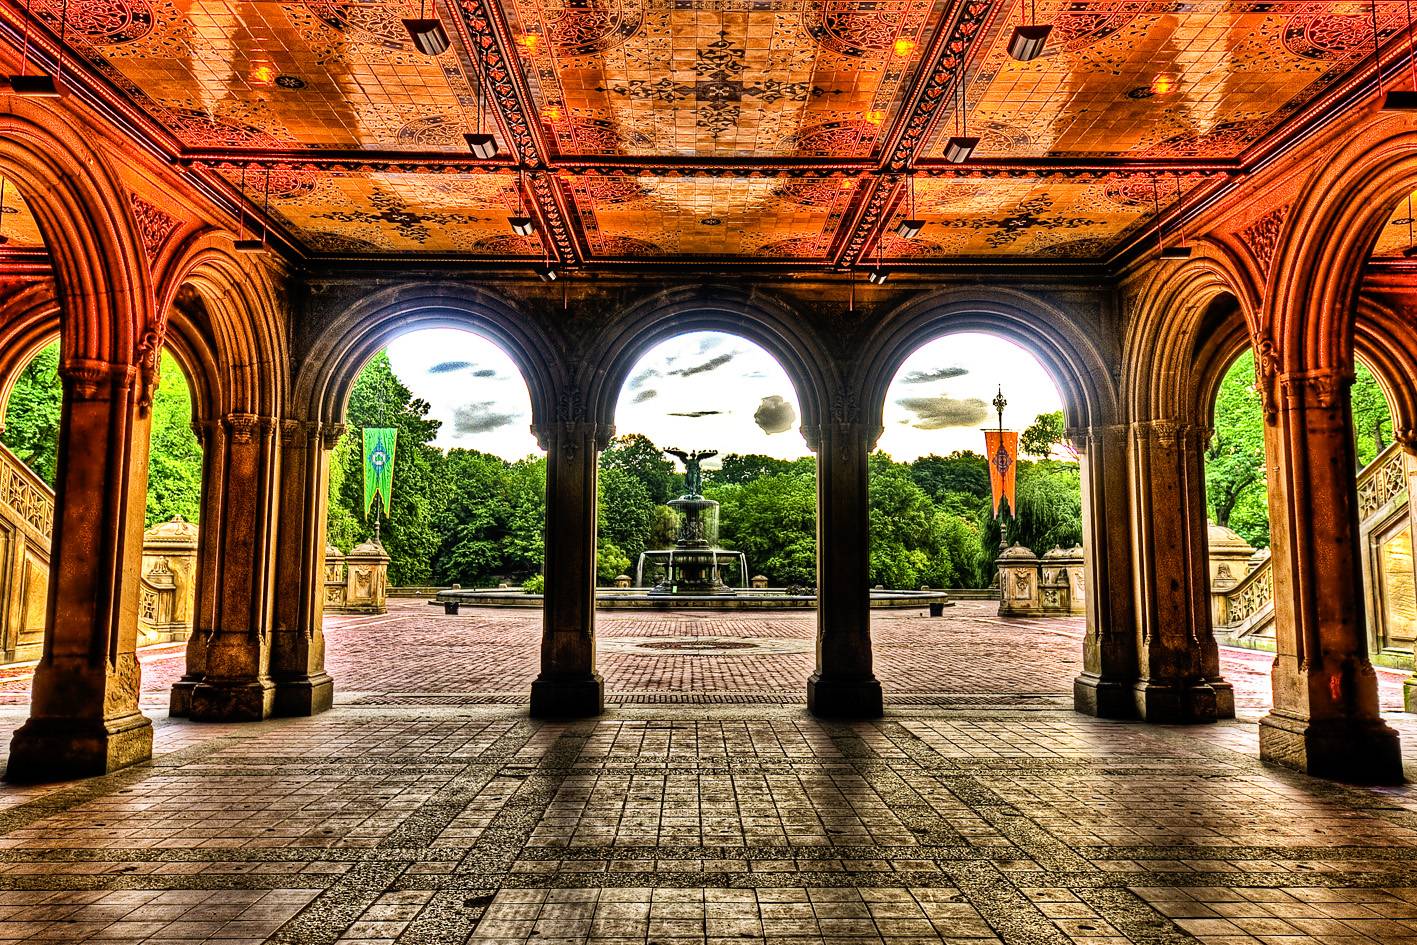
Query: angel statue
x=693, y=476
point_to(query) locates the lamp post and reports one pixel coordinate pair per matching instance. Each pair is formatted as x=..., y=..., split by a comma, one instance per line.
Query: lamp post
x=1001, y=461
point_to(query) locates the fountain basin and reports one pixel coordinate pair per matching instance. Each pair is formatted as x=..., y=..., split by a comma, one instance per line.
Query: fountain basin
x=643, y=598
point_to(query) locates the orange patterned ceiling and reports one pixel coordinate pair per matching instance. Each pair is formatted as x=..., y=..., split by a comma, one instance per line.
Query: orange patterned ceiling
x=724, y=129
x=17, y=226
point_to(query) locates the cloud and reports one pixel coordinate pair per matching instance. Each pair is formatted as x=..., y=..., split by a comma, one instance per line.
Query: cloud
x=480, y=417
x=712, y=364
x=697, y=413
x=644, y=395
x=448, y=367
x=638, y=380
x=485, y=372
x=775, y=415
x=939, y=413
x=708, y=343
x=939, y=374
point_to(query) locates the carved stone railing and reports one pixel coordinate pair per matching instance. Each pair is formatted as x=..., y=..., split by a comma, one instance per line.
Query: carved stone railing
x=1247, y=607
x=26, y=520
x=1381, y=481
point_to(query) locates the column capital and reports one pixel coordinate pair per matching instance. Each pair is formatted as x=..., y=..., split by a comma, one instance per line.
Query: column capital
x=85, y=379
x=571, y=434
x=246, y=427
x=1320, y=388
x=329, y=433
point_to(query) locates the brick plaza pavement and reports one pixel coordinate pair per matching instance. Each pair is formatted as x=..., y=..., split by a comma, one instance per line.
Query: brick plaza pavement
x=425, y=810
x=970, y=652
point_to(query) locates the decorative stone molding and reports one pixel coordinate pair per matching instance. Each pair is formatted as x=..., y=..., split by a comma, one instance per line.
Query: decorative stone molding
x=1381, y=481
x=243, y=427
x=168, y=588
x=1261, y=237
x=1319, y=388
x=330, y=434
x=95, y=380
x=154, y=226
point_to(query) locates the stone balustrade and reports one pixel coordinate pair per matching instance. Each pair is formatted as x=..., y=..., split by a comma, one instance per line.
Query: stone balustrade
x=357, y=582
x=1051, y=586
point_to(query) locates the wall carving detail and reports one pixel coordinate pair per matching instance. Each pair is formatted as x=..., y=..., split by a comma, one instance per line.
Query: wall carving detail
x=1261, y=237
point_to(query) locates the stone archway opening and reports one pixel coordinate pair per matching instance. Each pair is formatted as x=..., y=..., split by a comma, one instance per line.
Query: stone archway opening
x=934, y=524
x=707, y=579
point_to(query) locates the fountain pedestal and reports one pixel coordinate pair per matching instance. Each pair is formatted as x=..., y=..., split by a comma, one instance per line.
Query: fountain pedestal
x=693, y=565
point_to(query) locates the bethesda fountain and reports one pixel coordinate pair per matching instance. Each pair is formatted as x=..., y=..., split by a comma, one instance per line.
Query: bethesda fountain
x=691, y=573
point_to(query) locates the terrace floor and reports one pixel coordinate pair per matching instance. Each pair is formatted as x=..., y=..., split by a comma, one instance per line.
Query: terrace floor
x=706, y=806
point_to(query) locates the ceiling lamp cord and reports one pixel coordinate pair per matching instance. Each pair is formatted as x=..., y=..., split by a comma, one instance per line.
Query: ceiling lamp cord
x=1396, y=100
x=5, y=239
x=40, y=85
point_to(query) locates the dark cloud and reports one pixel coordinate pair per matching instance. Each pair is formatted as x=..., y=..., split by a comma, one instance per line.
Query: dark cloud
x=712, y=364
x=642, y=396
x=448, y=367
x=485, y=372
x=480, y=417
x=697, y=413
x=939, y=374
x=775, y=415
x=939, y=413
x=638, y=380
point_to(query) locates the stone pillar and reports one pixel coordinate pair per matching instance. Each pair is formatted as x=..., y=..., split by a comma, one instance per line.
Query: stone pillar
x=1409, y=459
x=1109, y=656
x=236, y=685
x=1325, y=718
x=844, y=685
x=212, y=438
x=568, y=686
x=298, y=645
x=1178, y=659
x=84, y=717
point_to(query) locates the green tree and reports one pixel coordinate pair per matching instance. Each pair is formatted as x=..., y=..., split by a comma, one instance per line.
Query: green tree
x=1234, y=458
x=773, y=521
x=1372, y=420
x=626, y=513
x=380, y=399
x=736, y=469
x=1045, y=432
x=174, y=457
x=636, y=455
x=32, y=414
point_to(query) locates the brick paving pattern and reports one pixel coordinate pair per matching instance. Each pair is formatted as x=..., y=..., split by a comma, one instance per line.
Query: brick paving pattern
x=427, y=809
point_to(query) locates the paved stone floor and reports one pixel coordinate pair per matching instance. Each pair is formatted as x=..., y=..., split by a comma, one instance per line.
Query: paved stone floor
x=706, y=807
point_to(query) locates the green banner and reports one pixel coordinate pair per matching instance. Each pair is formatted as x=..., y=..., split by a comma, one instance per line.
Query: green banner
x=378, y=467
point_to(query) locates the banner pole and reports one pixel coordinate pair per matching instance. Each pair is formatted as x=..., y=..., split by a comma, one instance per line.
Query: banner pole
x=999, y=404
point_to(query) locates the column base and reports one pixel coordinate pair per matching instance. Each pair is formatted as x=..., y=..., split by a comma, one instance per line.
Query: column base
x=844, y=698
x=304, y=695
x=1359, y=751
x=64, y=749
x=1103, y=698
x=1178, y=703
x=179, y=705
x=1409, y=693
x=579, y=698
x=244, y=700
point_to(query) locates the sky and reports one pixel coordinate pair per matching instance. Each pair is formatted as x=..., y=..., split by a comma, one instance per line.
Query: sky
x=711, y=390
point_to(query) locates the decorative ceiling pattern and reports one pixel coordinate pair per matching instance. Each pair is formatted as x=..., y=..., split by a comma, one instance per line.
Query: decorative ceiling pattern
x=716, y=129
x=18, y=229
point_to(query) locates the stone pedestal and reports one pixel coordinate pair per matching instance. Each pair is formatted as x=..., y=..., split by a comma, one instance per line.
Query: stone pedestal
x=165, y=611
x=84, y=717
x=844, y=684
x=1325, y=719
x=568, y=686
x=1019, y=594
x=1061, y=585
x=358, y=582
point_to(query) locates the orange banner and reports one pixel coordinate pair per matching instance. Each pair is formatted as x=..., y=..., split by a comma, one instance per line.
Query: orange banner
x=1001, y=448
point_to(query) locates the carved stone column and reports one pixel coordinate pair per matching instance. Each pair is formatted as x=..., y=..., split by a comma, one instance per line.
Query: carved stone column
x=1109, y=653
x=298, y=646
x=1408, y=439
x=84, y=716
x=568, y=685
x=211, y=436
x=1178, y=660
x=236, y=684
x=844, y=684
x=1325, y=718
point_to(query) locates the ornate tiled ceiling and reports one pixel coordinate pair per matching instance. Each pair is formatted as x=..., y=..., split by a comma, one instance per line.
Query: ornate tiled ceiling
x=721, y=129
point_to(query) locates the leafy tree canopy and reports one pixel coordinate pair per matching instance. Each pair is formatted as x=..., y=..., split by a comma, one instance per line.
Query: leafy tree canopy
x=1043, y=434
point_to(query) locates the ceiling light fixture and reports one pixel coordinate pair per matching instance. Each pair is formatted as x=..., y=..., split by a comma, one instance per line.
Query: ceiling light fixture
x=547, y=273
x=878, y=276
x=1163, y=84
x=910, y=227
x=427, y=33
x=960, y=147
x=1030, y=36
x=521, y=223
x=1399, y=100
x=1178, y=250
x=5, y=239
x=904, y=47
x=482, y=145
x=244, y=243
x=40, y=85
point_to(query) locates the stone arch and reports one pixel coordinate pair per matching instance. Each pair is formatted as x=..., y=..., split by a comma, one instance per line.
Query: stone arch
x=1311, y=300
x=239, y=325
x=753, y=316
x=1075, y=364
x=101, y=277
x=1187, y=325
x=331, y=363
